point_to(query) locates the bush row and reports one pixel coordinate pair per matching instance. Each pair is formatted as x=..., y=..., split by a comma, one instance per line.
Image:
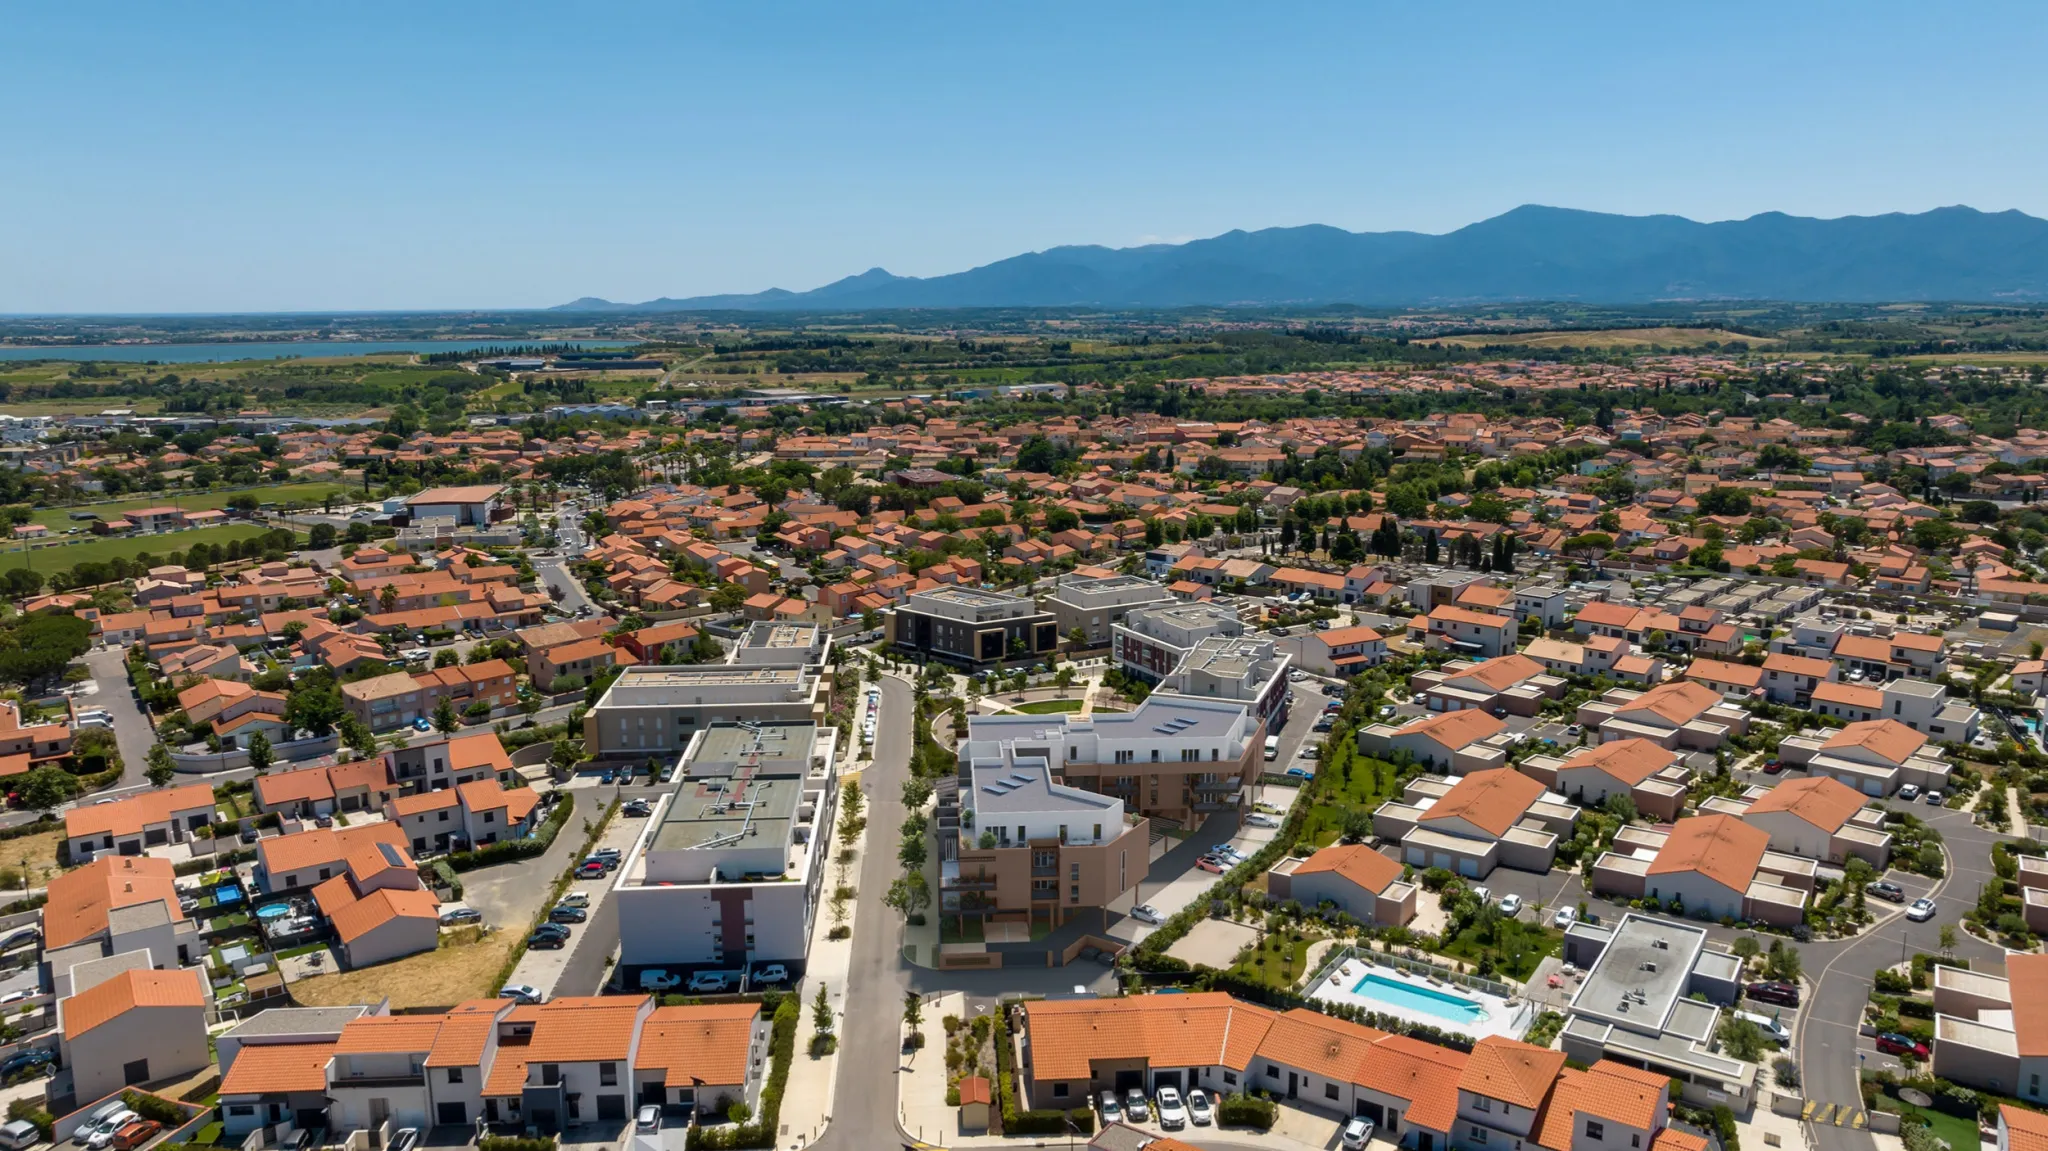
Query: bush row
x=762, y=1130
x=511, y=849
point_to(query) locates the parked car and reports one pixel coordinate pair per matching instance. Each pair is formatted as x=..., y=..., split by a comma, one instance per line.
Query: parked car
x=135, y=1134
x=1910, y=791
x=1301, y=773
x=18, y=1135
x=1772, y=1029
x=323, y=821
x=1135, y=1105
x=422, y=725
x=649, y=1119
x=404, y=1139
x=458, y=915
x=608, y=776
x=655, y=979
x=1886, y=889
x=1921, y=911
x=1773, y=767
x=1575, y=729
x=1261, y=819
x=1356, y=1134
x=100, y=1135
x=1510, y=905
x=610, y=855
x=562, y=914
x=1387, y=712
x=771, y=973
x=638, y=809
x=574, y=899
x=1146, y=913
x=707, y=981
x=591, y=869
x=524, y=993
x=1173, y=1115
x=1565, y=917
x=1211, y=863
x=1774, y=991
x=25, y=1060
x=539, y=941
x=1112, y=1111
x=1198, y=1108
x=1934, y=799
x=1893, y=1043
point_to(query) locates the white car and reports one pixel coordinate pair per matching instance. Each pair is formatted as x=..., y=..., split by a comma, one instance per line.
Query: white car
x=1173, y=1115
x=575, y=899
x=1510, y=905
x=1565, y=917
x=649, y=1118
x=1261, y=819
x=771, y=973
x=659, y=980
x=703, y=981
x=524, y=993
x=1921, y=911
x=1146, y=913
x=1356, y=1134
x=1198, y=1108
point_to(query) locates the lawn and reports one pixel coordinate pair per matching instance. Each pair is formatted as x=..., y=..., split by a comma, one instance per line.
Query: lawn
x=442, y=978
x=1049, y=706
x=1517, y=946
x=1960, y=1133
x=1371, y=783
x=59, y=518
x=101, y=549
x=950, y=932
x=1284, y=959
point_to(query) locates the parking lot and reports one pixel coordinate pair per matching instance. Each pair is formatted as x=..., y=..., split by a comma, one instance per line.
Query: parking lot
x=590, y=941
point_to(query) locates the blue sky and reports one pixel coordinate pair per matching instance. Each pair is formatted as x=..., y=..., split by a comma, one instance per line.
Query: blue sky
x=283, y=156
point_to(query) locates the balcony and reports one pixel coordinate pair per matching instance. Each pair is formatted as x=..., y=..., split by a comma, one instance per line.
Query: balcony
x=1046, y=871
x=382, y=1081
x=1045, y=893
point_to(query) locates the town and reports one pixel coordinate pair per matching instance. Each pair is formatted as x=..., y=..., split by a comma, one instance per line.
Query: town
x=1598, y=748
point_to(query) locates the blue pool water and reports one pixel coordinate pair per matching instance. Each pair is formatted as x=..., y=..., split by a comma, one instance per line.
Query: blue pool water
x=1442, y=1004
x=274, y=911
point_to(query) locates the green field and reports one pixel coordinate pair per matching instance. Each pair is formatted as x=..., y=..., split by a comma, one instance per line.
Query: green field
x=58, y=519
x=62, y=556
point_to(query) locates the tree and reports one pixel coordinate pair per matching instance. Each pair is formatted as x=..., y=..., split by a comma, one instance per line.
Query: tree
x=912, y=852
x=917, y=791
x=728, y=597
x=1064, y=678
x=46, y=787
x=321, y=537
x=821, y=1012
x=387, y=598
x=913, y=1011
x=315, y=706
x=259, y=751
x=909, y=894
x=1429, y=547
x=1740, y=1038
x=1724, y=502
x=564, y=753
x=292, y=630
x=445, y=719
x=357, y=735
x=160, y=771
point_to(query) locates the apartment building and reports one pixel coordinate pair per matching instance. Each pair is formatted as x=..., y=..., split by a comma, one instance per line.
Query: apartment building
x=1030, y=848
x=728, y=870
x=1249, y=669
x=1096, y=605
x=1174, y=757
x=657, y=710
x=972, y=628
x=1150, y=642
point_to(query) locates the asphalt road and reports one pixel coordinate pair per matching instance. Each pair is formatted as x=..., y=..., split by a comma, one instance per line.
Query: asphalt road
x=132, y=732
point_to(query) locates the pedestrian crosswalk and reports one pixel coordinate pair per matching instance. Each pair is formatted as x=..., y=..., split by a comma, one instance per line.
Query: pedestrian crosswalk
x=1834, y=1115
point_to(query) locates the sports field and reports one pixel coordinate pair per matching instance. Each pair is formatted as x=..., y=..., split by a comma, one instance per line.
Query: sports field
x=310, y=494
x=88, y=549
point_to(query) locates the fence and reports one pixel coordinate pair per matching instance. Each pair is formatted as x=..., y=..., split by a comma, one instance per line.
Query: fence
x=1413, y=966
x=284, y=753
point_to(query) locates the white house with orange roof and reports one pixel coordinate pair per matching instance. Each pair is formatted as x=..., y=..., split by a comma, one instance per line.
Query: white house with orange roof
x=1459, y=629
x=576, y=1066
x=1354, y=878
x=1469, y=826
x=1712, y=865
x=1817, y=817
x=701, y=1056
x=1875, y=757
x=1513, y=684
x=1793, y=679
x=132, y=825
x=115, y=905
x=1648, y=773
x=1455, y=741
x=466, y=816
x=134, y=1026
x=1678, y=714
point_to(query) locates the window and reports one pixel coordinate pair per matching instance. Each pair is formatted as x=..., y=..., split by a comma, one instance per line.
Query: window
x=1074, y=893
x=1595, y=1130
x=1272, y=1072
x=444, y=816
x=1479, y=1135
x=550, y=1074
x=1230, y=1078
x=1125, y=756
x=325, y=874
x=1073, y=871
x=1329, y=1090
x=1155, y=755
x=240, y=1109
x=1191, y=755
x=1481, y=1103
x=1059, y=1091
x=455, y=1075
x=607, y=1075
x=1635, y=1140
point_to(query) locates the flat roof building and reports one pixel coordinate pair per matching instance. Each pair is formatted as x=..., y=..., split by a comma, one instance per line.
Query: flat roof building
x=656, y=710
x=1094, y=605
x=971, y=627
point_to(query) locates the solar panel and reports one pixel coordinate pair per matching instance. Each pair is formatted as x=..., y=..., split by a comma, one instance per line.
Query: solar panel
x=1165, y=729
x=994, y=790
x=1019, y=778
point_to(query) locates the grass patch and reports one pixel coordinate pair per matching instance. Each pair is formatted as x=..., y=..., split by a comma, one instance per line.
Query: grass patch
x=310, y=493
x=465, y=966
x=1285, y=960
x=1371, y=782
x=1048, y=706
x=97, y=549
x=950, y=930
x=35, y=854
x=1960, y=1133
x=1516, y=948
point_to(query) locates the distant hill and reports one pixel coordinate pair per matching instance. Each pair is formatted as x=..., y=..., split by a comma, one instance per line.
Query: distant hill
x=1530, y=253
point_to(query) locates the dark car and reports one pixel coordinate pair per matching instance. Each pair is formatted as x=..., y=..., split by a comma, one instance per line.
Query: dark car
x=1773, y=767
x=249, y=835
x=538, y=941
x=639, y=808
x=609, y=776
x=1886, y=889
x=24, y=1061
x=568, y=915
x=1893, y=1043
x=1774, y=991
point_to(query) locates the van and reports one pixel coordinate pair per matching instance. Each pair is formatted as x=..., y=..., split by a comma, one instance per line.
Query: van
x=1272, y=748
x=1772, y=1029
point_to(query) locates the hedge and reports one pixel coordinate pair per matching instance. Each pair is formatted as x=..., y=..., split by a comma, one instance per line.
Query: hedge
x=763, y=1129
x=514, y=1143
x=219, y=862
x=1246, y=1111
x=446, y=875
x=511, y=849
x=155, y=1107
x=36, y=826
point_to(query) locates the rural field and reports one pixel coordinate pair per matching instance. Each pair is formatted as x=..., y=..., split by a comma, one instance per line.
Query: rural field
x=57, y=519
x=62, y=556
x=465, y=966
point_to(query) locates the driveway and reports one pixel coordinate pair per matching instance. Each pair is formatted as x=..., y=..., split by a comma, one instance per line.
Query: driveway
x=510, y=894
x=132, y=732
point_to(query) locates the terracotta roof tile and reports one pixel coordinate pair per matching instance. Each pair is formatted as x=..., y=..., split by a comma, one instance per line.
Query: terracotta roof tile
x=1823, y=801
x=137, y=987
x=1493, y=800
x=1720, y=847
x=708, y=1043
x=275, y=1069
x=1511, y=1071
x=1629, y=761
x=1356, y=862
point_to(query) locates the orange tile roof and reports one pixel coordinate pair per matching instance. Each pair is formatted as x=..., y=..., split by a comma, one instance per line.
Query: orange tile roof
x=1720, y=847
x=81, y=898
x=1823, y=801
x=1629, y=761
x=276, y=788
x=479, y=750
x=1677, y=703
x=1511, y=1071
x=381, y=907
x=1849, y=695
x=1798, y=665
x=275, y=1069
x=707, y=1043
x=1493, y=800
x=1623, y=1094
x=1503, y=672
x=1739, y=674
x=281, y=855
x=1422, y=1073
x=1887, y=738
x=137, y=987
x=1318, y=1043
x=1455, y=730
x=129, y=816
x=1672, y=1139
x=1356, y=862
x=2028, y=975
x=585, y=1029
x=1201, y=1029
x=394, y=1034
x=2025, y=1130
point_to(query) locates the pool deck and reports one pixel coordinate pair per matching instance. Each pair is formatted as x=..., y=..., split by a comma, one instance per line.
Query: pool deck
x=1502, y=1017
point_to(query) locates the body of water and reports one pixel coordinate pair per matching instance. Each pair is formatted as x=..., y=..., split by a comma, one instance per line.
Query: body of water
x=271, y=350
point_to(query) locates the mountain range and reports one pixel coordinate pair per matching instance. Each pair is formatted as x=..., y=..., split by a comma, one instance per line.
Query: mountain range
x=1530, y=253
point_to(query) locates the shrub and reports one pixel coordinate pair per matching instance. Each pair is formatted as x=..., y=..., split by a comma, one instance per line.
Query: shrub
x=153, y=1107
x=511, y=849
x=1246, y=1111
x=30, y=1110
x=514, y=1143
x=446, y=876
x=762, y=1130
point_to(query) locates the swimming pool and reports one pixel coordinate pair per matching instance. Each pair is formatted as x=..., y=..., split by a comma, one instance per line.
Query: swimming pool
x=1428, y=1000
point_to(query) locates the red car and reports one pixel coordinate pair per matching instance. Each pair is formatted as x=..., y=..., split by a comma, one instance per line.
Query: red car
x=1892, y=1043
x=1210, y=863
x=1773, y=767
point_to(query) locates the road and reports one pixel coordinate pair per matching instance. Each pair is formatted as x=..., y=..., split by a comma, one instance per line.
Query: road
x=132, y=732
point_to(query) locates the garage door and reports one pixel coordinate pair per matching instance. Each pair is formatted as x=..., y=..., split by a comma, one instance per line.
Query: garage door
x=1443, y=860
x=611, y=1107
x=1468, y=867
x=1416, y=855
x=1165, y=1079
x=451, y=1114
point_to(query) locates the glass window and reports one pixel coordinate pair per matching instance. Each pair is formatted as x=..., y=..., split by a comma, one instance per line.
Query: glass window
x=1595, y=1130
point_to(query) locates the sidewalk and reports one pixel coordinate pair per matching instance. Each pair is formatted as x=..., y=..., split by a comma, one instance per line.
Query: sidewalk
x=807, y=1097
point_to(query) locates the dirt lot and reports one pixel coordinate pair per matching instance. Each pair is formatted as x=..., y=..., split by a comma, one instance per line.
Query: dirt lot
x=442, y=978
x=37, y=852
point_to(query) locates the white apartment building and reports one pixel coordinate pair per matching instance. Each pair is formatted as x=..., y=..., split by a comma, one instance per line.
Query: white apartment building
x=657, y=711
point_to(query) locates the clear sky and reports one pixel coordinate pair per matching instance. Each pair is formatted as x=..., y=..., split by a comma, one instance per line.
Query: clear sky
x=282, y=156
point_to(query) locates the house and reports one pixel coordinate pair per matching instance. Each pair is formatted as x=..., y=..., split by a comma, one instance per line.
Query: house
x=134, y=1027
x=1712, y=865
x=1682, y=713
x=1342, y=652
x=1355, y=878
x=1489, y=818
x=1991, y=1032
x=115, y=905
x=309, y=792
x=1645, y=772
x=1597, y=656
x=385, y=701
x=1512, y=684
x=1734, y=681
x=576, y=1067
x=471, y=506
x=702, y=1056
x=1794, y=678
x=1875, y=757
x=1472, y=633
x=1455, y=741
x=376, y=924
x=130, y=826
x=574, y=664
x=1821, y=818
x=462, y=817
x=309, y=858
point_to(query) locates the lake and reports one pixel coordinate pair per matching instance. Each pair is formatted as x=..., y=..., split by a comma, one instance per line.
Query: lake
x=216, y=353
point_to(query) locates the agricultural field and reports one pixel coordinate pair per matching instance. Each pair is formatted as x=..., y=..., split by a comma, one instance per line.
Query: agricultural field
x=58, y=519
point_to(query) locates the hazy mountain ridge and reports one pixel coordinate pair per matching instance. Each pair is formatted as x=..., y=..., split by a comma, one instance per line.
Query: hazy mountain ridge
x=1530, y=253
